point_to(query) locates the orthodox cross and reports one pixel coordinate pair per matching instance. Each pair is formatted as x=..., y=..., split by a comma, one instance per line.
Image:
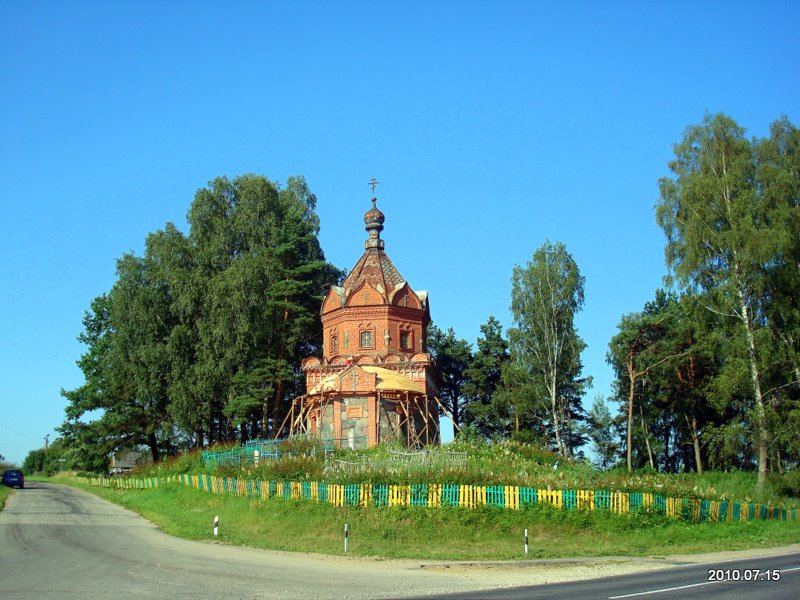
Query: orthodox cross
x=373, y=183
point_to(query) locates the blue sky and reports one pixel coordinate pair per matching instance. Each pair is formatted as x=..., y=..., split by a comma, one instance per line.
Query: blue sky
x=492, y=127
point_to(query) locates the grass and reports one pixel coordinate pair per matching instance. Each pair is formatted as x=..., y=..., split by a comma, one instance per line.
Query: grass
x=450, y=533
x=503, y=463
x=5, y=492
x=458, y=533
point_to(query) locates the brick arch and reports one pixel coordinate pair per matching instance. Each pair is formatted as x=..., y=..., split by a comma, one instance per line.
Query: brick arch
x=406, y=297
x=366, y=295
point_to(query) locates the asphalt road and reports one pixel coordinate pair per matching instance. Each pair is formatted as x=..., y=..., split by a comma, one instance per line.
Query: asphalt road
x=59, y=542
x=742, y=579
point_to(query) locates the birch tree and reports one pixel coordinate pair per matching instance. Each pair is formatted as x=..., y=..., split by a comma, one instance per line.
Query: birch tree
x=545, y=296
x=722, y=238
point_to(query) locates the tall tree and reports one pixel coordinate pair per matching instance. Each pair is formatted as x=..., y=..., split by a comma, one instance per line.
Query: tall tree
x=778, y=175
x=545, y=296
x=203, y=334
x=262, y=272
x=452, y=357
x=722, y=238
x=601, y=433
x=126, y=365
x=483, y=377
x=642, y=345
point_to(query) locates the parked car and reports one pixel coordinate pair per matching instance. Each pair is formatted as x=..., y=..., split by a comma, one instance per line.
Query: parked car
x=14, y=478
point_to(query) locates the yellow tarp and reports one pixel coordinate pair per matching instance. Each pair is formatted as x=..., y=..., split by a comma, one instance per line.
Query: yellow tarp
x=386, y=380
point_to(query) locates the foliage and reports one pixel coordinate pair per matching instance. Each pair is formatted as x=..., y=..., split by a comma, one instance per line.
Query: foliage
x=788, y=484
x=483, y=375
x=199, y=340
x=730, y=214
x=58, y=456
x=601, y=434
x=506, y=462
x=543, y=379
x=452, y=357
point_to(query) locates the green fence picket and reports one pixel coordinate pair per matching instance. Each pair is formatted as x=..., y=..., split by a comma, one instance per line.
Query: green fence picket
x=352, y=494
x=527, y=496
x=323, y=492
x=450, y=494
x=380, y=494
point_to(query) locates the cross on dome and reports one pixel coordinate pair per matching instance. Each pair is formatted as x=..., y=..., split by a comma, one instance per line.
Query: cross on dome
x=373, y=183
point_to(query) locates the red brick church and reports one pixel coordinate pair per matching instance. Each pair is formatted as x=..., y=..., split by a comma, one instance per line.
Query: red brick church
x=375, y=381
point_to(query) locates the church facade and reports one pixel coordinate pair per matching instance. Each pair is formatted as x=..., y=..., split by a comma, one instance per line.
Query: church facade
x=375, y=381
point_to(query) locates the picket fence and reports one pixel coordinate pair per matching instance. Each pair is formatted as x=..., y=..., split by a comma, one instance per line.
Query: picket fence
x=437, y=495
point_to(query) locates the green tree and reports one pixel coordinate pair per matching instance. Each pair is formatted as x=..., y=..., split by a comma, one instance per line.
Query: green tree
x=601, y=433
x=545, y=346
x=452, y=358
x=263, y=274
x=725, y=231
x=643, y=344
x=126, y=365
x=483, y=378
x=202, y=335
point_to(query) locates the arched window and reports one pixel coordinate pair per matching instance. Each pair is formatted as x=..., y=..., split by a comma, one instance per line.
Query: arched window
x=366, y=339
x=334, y=344
x=405, y=340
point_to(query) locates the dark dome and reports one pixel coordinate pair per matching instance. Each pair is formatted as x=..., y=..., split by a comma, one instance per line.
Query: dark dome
x=374, y=218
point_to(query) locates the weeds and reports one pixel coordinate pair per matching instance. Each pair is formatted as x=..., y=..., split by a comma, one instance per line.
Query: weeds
x=503, y=463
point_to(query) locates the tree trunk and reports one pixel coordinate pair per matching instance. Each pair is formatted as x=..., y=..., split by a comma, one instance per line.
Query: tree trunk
x=698, y=458
x=276, y=405
x=152, y=441
x=761, y=415
x=556, y=419
x=265, y=417
x=667, y=455
x=632, y=380
x=568, y=432
x=647, y=439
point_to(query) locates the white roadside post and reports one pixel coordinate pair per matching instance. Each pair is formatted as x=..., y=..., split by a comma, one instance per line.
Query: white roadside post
x=216, y=525
x=345, y=537
x=526, y=541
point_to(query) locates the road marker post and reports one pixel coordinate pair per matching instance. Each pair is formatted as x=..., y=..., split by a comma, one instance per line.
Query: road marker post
x=346, y=527
x=216, y=526
x=526, y=541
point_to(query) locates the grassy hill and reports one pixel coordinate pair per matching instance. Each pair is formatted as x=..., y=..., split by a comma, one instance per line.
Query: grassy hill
x=453, y=533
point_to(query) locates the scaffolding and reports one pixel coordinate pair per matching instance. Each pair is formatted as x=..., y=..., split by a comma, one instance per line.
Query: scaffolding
x=415, y=417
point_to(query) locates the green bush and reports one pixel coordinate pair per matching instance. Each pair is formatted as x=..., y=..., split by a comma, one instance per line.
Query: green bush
x=788, y=484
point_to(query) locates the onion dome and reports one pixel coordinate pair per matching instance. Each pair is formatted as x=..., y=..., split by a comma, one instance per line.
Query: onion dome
x=373, y=223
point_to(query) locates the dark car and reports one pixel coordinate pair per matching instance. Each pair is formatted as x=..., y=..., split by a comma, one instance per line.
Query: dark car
x=14, y=478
